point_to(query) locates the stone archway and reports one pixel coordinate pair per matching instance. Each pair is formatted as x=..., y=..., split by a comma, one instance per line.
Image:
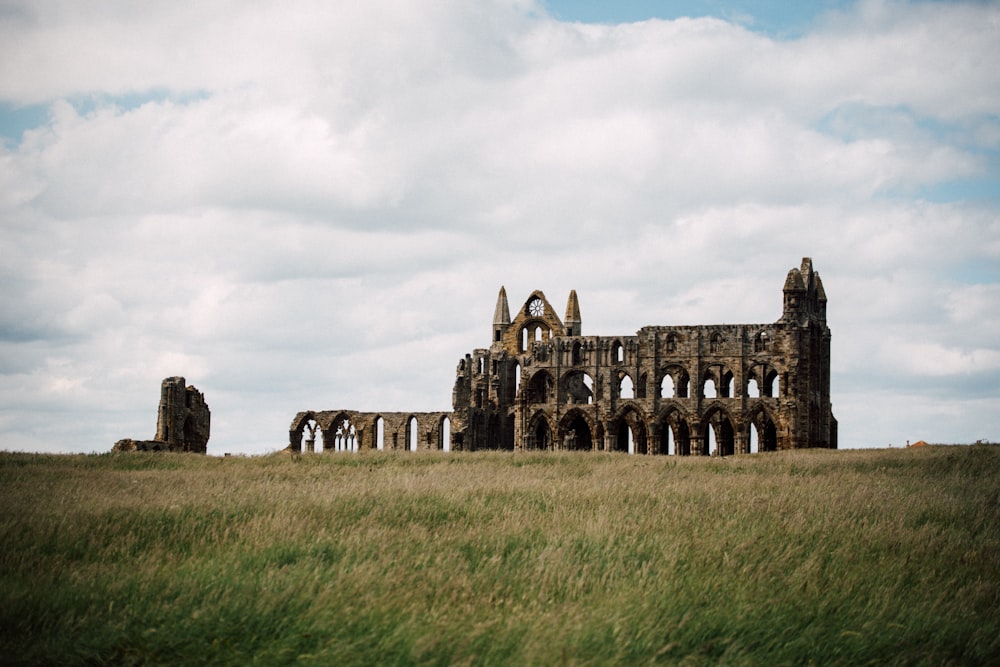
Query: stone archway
x=630, y=433
x=575, y=432
x=717, y=426
x=539, y=433
x=675, y=436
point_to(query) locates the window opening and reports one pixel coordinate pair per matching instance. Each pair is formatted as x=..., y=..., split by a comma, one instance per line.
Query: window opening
x=445, y=435
x=708, y=390
x=411, y=434
x=626, y=388
x=667, y=441
x=310, y=434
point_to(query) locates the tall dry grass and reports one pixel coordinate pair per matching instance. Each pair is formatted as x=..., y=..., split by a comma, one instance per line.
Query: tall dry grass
x=491, y=558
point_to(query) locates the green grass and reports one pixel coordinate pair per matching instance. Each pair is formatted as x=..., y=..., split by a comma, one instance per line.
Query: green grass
x=860, y=557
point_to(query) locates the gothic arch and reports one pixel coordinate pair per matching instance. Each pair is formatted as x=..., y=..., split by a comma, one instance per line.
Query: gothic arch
x=675, y=435
x=341, y=434
x=617, y=352
x=378, y=432
x=761, y=342
x=541, y=387
x=716, y=343
x=721, y=376
x=411, y=430
x=576, y=431
x=625, y=387
x=680, y=380
x=766, y=377
x=759, y=418
x=578, y=388
x=629, y=423
x=717, y=424
x=309, y=432
x=444, y=433
x=540, y=432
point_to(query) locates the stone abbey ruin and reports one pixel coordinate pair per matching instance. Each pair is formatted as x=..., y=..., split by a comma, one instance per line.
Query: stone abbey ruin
x=679, y=390
x=182, y=424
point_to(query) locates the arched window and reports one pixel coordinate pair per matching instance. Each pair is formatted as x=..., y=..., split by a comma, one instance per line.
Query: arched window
x=617, y=353
x=727, y=385
x=311, y=434
x=345, y=436
x=753, y=390
x=444, y=437
x=716, y=344
x=578, y=388
x=771, y=383
x=411, y=434
x=625, y=387
x=708, y=389
x=760, y=342
x=379, y=433
x=667, y=387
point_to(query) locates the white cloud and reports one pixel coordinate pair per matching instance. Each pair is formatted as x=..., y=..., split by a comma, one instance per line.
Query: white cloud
x=315, y=206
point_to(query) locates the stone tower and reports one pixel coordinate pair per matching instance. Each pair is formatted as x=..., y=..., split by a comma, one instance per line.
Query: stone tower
x=182, y=424
x=183, y=420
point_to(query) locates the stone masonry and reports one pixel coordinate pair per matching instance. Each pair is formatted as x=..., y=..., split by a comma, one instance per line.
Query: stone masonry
x=183, y=422
x=678, y=390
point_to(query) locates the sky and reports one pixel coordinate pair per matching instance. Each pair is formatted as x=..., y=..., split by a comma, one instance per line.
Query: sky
x=313, y=205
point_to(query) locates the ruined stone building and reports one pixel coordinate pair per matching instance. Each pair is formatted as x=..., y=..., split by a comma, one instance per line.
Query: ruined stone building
x=680, y=390
x=183, y=421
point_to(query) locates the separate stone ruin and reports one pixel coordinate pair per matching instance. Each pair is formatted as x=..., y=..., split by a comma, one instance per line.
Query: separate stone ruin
x=678, y=390
x=182, y=425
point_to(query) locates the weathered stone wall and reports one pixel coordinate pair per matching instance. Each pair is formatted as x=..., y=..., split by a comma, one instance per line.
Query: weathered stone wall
x=183, y=421
x=667, y=389
x=690, y=390
x=352, y=430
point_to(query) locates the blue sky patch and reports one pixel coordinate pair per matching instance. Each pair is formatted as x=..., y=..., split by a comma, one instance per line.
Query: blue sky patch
x=775, y=18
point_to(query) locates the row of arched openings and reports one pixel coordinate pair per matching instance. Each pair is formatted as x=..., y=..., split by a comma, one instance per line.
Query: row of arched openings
x=717, y=382
x=718, y=435
x=346, y=439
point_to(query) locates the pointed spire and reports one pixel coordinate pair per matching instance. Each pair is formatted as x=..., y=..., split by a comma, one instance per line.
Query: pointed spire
x=573, y=321
x=501, y=316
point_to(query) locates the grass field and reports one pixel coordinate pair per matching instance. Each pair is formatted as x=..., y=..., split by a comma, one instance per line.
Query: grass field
x=853, y=557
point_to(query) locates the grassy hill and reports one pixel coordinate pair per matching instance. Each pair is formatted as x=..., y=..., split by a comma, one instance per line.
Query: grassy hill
x=852, y=557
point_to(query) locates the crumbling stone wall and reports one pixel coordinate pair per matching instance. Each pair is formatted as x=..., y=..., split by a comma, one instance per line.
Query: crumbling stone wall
x=183, y=421
x=690, y=390
x=351, y=430
x=686, y=390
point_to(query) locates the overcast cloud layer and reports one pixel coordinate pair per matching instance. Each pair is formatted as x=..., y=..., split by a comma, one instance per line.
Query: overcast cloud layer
x=313, y=206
